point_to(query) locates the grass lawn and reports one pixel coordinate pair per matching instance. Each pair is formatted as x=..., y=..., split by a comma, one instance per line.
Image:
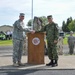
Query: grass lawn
x=5, y=42
x=65, y=41
x=9, y=42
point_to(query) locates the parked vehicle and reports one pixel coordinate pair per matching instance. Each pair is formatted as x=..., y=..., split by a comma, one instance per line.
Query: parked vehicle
x=62, y=34
x=2, y=36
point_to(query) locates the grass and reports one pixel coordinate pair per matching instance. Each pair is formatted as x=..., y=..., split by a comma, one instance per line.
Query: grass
x=65, y=41
x=5, y=42
x=9, y=42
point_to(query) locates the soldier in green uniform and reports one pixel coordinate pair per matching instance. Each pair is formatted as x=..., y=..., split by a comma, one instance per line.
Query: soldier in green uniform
x=18, y=29
x=71, y=41
x=52, y=39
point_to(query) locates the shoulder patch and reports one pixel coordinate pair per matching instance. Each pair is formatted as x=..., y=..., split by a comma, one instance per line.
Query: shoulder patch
x=56, y=26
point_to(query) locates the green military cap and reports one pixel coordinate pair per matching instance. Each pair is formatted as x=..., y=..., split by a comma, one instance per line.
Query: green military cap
x=22, y=14
x=50, y=16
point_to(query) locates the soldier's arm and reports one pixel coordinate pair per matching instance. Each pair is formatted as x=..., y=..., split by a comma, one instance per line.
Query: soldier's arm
x=74, y=39
x=43, y=29
x=68, y=40
x=16, y=24
x=56, y=35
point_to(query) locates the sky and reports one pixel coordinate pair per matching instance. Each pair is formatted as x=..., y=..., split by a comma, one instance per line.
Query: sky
x=59, y=9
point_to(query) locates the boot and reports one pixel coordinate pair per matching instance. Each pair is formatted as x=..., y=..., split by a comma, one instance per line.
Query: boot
x=15, y=65
x=55, y=63
x=20, y=64
x=49, y=64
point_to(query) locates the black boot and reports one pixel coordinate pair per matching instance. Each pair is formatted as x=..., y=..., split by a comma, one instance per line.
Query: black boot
x=50, y=64
x=55, y=63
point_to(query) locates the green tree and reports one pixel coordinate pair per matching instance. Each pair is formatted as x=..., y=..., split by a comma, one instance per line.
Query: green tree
x=42, y=18
x=29, y=24
x=65, y=25
x=71, y=25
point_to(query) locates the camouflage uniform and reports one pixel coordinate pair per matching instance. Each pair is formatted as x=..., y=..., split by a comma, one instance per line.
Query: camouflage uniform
x=51, y=34
x=71, y=40
x=18, y=28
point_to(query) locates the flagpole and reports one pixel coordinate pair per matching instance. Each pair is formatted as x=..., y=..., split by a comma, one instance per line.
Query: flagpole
x=32, y=14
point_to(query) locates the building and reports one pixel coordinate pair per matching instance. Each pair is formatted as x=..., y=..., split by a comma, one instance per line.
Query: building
x=6, y=28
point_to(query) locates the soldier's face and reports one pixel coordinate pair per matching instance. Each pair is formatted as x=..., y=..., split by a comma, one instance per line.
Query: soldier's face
x=50, y=20
x=21, y=18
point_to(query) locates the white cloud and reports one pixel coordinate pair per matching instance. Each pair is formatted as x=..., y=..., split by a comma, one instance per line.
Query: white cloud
x=60, y=9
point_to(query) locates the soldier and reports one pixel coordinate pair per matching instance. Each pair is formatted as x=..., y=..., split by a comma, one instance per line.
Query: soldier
x=71, y=43
x=18, y=28
x=60, y=45
x=52, y=39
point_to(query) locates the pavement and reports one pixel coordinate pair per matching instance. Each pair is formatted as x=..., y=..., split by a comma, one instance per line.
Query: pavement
x=64, y=62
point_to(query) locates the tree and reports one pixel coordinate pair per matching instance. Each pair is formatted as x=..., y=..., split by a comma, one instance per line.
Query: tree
x=65, y=25
x=29, y=24
x=71, y=25
x=43, y=19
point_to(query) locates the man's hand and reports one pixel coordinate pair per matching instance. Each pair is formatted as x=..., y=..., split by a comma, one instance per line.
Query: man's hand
x=32, y=31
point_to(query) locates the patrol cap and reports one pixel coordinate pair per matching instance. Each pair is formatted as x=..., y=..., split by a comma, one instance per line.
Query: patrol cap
x=22, y=14
x=50, y=16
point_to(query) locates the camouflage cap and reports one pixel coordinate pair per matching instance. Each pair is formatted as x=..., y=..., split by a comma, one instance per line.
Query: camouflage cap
x=50, y=16
x=22, y=14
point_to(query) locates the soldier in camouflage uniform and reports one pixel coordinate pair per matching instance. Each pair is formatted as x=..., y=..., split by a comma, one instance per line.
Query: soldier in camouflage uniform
x=18, y=29
x=71, y=41
x=52, y=39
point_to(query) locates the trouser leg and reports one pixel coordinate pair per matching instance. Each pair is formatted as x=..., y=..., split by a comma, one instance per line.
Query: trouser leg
x=15, y=50
x=20, y=51
x=71, y=49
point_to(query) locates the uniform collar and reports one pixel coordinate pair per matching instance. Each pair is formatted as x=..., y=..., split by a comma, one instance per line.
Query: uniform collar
x=20, y=20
